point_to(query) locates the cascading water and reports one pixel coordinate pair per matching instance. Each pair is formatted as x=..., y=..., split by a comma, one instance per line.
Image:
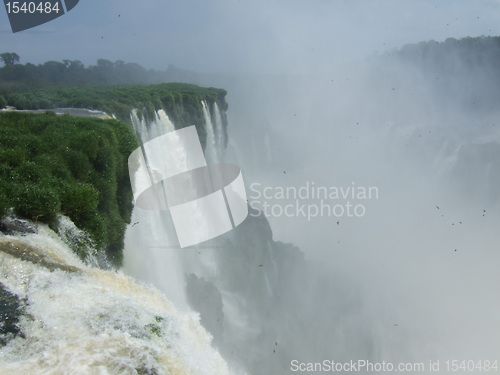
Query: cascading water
x=151, y=247
x=240, y=313
x=219, y=131
x=244, y=314
x=211, y=149
x=152, y=252
x=79, y=319
x=161, y=124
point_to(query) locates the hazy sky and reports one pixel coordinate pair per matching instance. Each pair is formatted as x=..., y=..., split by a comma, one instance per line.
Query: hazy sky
x=244, y=35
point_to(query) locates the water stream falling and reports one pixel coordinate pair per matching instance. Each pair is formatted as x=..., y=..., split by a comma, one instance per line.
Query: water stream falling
x=219, y=131
x=151, y=233
x=83, y=320
x=211, y=146
x=152, y=251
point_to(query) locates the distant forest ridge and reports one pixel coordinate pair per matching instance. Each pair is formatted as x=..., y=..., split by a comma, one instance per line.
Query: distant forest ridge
x=478, y=52
x=466, y=71
x=74, y=72
x=470, y=52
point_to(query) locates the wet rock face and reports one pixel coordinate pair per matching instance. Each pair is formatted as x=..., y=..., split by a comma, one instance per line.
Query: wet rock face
x=10, y=311
x=13, y=226
x=206, y=298
x=10, y=304
x=22, y=251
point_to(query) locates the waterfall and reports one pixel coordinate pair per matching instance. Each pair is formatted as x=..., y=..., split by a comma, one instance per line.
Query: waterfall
x=207, y=277
x=151, y=246
x=164, y=122
x=219, y=131
x=139, y=124
x=152, y=251
x=161, y=124
x=80, y=319
x=211, y=152
x=187, y=276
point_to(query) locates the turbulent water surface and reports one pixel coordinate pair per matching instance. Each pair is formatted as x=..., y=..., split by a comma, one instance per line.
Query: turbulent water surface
x=79, y=319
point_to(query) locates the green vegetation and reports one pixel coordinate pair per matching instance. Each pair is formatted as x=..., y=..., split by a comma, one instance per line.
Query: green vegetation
x=180, y=100
x=155, y=328
x=78, y=166
x=9, y=58
x=74, y=72
x=75, y=166
x=479, y=52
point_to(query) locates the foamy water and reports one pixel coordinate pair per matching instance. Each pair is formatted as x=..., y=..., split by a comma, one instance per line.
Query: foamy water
x=85, y=320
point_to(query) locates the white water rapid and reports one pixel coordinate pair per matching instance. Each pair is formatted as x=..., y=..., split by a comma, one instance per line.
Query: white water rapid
x=82, y=320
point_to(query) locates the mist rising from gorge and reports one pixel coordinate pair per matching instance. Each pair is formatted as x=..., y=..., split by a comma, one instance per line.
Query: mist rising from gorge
x=407, y=281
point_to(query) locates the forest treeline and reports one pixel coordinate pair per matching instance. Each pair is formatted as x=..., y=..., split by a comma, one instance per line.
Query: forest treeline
x=451, y=56
x=182, y=101
x=464, y=71
x=454, y=55
x=74, y=72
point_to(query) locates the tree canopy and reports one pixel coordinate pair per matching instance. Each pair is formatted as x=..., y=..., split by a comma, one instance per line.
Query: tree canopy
x=9, y=58
x=76, y=166
x=74, y=72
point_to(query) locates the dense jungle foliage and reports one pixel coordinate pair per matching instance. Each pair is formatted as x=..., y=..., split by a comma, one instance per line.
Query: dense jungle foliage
x=75, y=166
